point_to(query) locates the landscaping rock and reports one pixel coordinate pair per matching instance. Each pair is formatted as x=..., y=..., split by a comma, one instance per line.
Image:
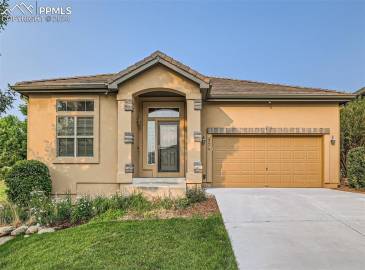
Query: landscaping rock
x=32, y=229
x=19, y=230
x=27, y=235
x=5, y=239
x=6, y=230
x=46, y=230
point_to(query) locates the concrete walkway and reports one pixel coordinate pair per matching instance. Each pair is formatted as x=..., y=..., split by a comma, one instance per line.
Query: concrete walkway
x=294, y=228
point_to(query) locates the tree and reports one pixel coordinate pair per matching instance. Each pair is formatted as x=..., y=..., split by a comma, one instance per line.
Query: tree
x=7, y=98
x=352, y=122
x=13, y=142
x=4, y=16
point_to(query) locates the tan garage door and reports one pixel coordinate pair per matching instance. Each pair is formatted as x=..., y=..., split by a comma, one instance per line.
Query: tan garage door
x=267, y=161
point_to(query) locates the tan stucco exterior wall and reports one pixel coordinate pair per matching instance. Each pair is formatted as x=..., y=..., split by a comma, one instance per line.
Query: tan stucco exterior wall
x=280, y=116
x=105, y=173
x=77, y=176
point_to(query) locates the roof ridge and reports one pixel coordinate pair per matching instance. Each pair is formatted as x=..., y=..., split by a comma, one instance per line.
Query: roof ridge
x=279, y=84
x=65, y=78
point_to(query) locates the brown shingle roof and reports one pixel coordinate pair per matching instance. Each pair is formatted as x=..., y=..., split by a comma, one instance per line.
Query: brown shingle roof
x=100, y=78
x=230, y=88
x=220, y=88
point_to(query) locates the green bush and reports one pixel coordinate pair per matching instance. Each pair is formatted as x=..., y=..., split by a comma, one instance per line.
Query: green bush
x=82, y=211
x=12, y=214
x=196, y=195
x=356, y=167
x=25, y=177
x=63, y=209
x=42, y=208
x=102, y=204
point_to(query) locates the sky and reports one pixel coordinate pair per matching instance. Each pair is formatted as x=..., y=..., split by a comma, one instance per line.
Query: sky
x=306, y=43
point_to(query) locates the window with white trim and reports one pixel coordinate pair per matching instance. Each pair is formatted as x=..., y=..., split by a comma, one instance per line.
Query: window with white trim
x=75, y=134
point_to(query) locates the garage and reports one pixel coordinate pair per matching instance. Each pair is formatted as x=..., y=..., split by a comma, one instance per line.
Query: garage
x=267, y=161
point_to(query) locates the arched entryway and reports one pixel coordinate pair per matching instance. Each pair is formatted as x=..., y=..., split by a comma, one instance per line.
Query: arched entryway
x=161, y=129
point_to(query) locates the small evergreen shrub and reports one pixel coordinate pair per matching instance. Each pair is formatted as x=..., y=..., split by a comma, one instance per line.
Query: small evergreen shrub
x=196, y=195
x=25, y=177
x=356, y=167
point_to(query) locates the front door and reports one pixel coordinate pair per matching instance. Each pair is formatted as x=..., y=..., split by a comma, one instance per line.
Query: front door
x=163, y=139
x=168, y=146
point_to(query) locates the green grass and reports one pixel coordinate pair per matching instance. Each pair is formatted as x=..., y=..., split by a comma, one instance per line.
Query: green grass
x=195, y=243
x=2, y=191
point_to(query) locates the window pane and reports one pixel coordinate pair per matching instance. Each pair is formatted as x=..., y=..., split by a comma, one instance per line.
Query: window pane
x=65, y=126
x=61, y=106
x=85, y=147
x=90, y=106
x=81, y=106
x=71, y=106
x=163, y=112
x=65, y=147
x=151, y=142
x=84, y=126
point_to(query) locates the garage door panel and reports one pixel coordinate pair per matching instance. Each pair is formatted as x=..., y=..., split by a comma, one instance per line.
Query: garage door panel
x=276, y=161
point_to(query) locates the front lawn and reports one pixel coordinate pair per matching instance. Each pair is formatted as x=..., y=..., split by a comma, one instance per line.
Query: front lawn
x=194, y=243
x=2, y=191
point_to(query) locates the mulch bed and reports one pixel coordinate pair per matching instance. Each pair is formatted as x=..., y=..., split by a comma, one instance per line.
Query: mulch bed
x=349, y=189
x=203, y=209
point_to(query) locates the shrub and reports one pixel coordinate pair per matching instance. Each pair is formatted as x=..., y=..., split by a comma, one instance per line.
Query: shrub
x=356, y=167
x=102, y=204
x=42, y=208
x=63, y=209
x=82, y=211
x=25, y=177
x=12, y=214
x=196, y=195
x=352, y=122
x=182, y=203
x=13, y=142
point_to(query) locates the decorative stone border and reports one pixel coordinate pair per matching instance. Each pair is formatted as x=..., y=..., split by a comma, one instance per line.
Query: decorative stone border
x=268, y=130
x=128, y=137
x=198, y=167
x=128, y=105
x=197, y=104
x=129, y=168
x=197, y=136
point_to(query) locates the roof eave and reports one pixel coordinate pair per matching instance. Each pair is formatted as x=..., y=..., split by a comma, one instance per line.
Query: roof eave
x=61, y=88
x=285, y=98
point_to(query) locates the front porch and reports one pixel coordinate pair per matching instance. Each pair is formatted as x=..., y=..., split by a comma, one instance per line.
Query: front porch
x=156, y=187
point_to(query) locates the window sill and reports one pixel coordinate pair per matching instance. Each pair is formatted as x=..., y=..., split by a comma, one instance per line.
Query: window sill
x=76, y=160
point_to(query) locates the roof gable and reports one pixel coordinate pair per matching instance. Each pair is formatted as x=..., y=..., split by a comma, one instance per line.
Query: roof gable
x=152, y=60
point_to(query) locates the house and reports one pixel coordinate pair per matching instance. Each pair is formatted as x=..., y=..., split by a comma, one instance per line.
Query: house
x=159, y=126
x=360, y=92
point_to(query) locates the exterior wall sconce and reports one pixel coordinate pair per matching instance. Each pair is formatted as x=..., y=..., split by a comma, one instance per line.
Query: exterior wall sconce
x=333, y=140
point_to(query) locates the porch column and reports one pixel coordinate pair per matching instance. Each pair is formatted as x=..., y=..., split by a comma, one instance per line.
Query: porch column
x=125, y=166
x=193, y=145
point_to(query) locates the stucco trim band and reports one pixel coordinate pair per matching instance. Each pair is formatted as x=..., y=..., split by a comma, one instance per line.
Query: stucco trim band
x=269, y=130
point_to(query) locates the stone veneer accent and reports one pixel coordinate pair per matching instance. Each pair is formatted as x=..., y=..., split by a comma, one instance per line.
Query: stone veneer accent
x=198, y=167
x=268, y=130
x=197, y=136
x=197, y=104
x=129, y=168
x=128, y=105
x=128, y=137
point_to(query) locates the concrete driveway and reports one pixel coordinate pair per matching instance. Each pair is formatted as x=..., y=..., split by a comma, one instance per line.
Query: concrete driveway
x=294, y=228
